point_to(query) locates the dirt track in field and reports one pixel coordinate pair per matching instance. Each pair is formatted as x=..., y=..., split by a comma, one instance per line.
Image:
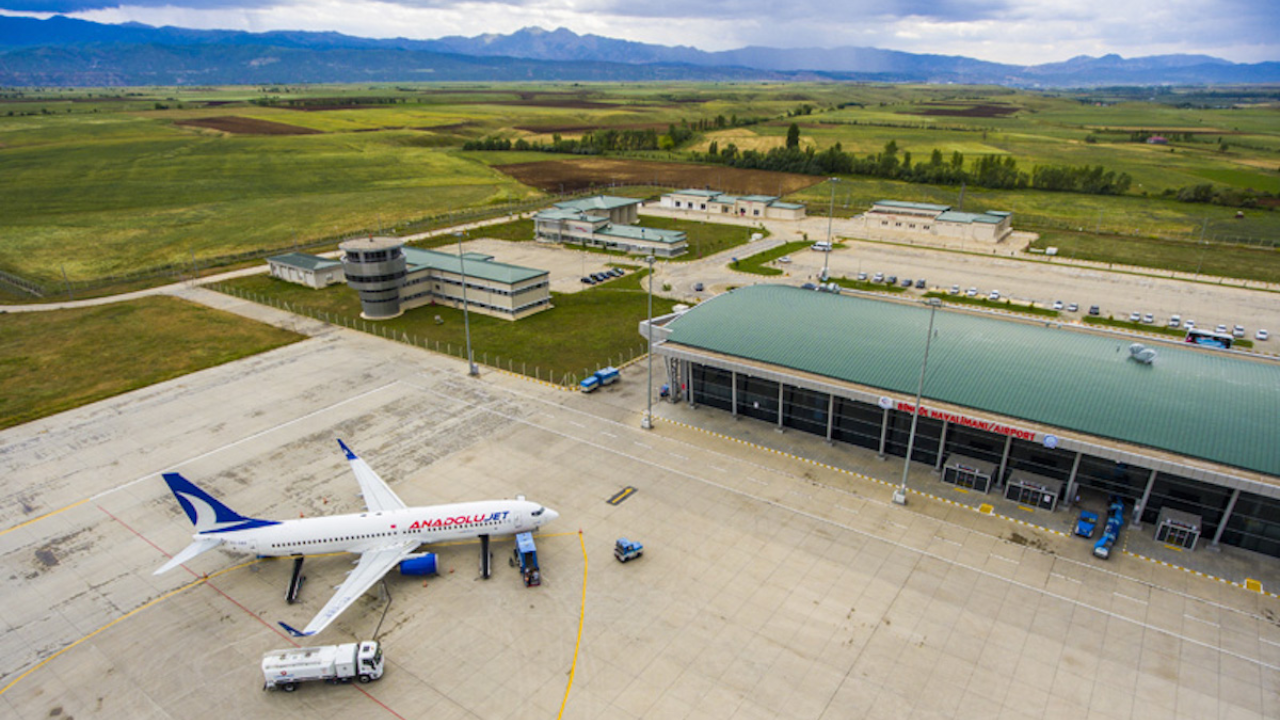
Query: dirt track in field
x=587, y=173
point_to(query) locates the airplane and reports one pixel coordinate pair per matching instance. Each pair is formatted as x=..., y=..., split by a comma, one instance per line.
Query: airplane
x=387, y=534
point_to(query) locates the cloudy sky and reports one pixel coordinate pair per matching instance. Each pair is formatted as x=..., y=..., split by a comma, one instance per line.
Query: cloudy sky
x=1013, y=31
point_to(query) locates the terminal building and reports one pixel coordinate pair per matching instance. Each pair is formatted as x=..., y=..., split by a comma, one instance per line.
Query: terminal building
x=1035, y=413
x=714, y=202
x=910, y=218
x=609, y=223
x=392, y=278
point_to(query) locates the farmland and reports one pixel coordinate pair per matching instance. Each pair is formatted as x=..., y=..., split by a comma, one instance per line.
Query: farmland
x=102, y=183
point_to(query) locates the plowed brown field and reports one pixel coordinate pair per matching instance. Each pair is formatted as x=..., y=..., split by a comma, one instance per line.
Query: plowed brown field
x=586, y=173
x=247, y=126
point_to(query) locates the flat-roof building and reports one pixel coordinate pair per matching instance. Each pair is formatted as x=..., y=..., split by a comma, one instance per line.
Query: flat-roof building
x=714, y=202
x=1046, y=411
x=310, y=270
x=391, y=278
x=911, y=218
x=608, y=223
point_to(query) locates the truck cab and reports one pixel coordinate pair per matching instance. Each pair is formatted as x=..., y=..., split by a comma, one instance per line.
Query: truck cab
x=625, y=550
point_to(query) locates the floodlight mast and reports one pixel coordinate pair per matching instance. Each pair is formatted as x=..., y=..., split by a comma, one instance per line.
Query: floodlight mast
x=647, y=422
x=900, y=495
x=831, y=214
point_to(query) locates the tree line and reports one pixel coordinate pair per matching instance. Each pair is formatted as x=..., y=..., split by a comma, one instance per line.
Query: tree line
x=989, y=171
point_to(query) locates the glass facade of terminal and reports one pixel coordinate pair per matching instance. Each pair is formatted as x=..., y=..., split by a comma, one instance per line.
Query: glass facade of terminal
x=1252, y=521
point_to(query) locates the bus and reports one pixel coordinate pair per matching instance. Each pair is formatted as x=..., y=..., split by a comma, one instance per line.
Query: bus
x=1208, y=338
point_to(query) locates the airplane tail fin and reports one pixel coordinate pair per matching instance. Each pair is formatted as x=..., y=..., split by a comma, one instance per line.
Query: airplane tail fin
x=206, y=512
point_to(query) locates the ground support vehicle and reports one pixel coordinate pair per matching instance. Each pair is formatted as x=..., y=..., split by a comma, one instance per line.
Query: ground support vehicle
x=598, y=379
x=1086, y=523
x=525, y=555
x=284, y=669
x=625, y=550
x=1111, y=533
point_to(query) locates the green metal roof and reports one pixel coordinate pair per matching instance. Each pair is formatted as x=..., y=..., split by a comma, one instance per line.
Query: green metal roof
x=1202, y=404
x=759, y=198
x=913, y=205
x=558, y=214
x=599, y=202
x=702, y=193
x=634, y=232
x=419, y=259
x=304, y=261
x=966, y=217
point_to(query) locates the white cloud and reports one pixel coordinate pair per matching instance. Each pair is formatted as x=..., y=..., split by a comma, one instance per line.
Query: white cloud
x=1012, y=31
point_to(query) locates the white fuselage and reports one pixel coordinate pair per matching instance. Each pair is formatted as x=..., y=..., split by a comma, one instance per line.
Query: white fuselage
x=370, y=530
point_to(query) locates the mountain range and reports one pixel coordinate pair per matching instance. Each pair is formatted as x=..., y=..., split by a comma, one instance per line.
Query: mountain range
x=62, y=51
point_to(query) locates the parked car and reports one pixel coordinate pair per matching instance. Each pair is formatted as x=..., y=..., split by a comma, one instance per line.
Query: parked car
x=1237, y=331
x=617, y=272
x=971, y=292
x=697, y=287
x=995, y=295
x=1175, y=321
x=907, y=282
x=921, y=284
x=784, y=259
x=1148, y=318
x=1058, y=305
x=1262, y=335
x=892, y=280
x=879, y=277
x=588, y=280
x=1189, y=324
x=808, y=286
x=1093, y=310
x=1073, y=308
x=955, y=290
x=1221, y=328
x=862, y=276
x=1135, y=316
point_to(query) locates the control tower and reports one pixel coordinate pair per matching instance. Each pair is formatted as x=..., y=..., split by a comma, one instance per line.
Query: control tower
x=375, y=269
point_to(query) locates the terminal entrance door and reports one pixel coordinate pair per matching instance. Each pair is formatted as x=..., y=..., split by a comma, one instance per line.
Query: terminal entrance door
x=1178, y=536
x=1033, y=496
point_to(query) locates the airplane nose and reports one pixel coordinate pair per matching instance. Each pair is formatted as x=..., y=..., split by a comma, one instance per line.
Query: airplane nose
x=551, y=515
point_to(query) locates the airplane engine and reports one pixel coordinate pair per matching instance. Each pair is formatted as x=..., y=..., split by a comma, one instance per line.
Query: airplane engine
x=424, y=564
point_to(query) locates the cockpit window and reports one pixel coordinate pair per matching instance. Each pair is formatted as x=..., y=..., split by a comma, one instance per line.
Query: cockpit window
x=538, y=512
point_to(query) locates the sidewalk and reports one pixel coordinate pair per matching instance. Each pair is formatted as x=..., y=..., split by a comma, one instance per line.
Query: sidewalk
x=868, y=473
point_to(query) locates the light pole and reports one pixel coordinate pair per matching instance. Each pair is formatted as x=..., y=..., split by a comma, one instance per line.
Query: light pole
x=900, y=495
x=647, y=422
x=831, y=215
x=466, y=319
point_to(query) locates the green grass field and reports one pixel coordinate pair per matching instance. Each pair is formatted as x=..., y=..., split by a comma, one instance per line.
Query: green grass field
x=109, y=170
x=583, y=331
x=55, y=361
x=758, y=264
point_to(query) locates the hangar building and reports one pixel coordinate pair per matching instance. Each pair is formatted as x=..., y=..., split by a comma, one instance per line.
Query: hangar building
x=1031, y=411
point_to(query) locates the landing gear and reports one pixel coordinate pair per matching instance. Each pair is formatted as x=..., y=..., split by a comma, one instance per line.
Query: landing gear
x=295, y=583
x=486, y=558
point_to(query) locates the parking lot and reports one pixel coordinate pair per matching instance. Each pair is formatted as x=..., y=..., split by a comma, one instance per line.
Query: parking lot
x=772, y=585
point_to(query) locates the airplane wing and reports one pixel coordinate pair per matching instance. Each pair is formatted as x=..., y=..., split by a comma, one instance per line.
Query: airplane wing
x=377, y=495
x=369, y=570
